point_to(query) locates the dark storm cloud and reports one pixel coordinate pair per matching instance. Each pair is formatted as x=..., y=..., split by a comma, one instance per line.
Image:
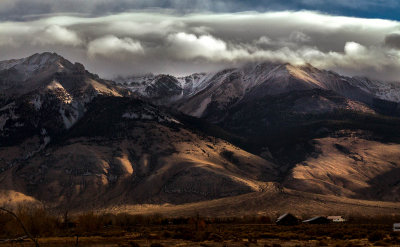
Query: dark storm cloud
x=393, y=40
x=164, y=42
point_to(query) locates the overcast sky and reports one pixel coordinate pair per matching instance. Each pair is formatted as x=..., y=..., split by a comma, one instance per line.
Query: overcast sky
x=121, y=37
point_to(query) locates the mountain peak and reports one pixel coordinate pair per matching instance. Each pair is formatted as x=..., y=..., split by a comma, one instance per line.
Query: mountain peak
x=35, y=62
x=40, y=60
x=44, y=57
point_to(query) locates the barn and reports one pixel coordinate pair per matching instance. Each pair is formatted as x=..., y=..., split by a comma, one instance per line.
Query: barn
x=287, y=220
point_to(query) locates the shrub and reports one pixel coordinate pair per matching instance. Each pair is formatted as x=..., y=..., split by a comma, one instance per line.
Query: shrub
x=322, y=243
x=376, y=236
x=215, y=237
x=381, y=243
x=156, y=245
x=37, y=221
x=337, y=235
x=88, y=223
x=229, y=155
x=133, y=244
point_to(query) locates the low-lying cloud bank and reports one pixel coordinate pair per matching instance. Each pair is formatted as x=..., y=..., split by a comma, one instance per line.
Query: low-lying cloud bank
x=142, y=42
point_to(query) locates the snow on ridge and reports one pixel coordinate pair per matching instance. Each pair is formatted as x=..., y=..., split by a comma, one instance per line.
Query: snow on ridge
x=130, y=115
x=252, y=75
x=3, y=120
x=189, y=84
x=7, y=64
x=7, y=112
x=29, y=65
x=149, y=114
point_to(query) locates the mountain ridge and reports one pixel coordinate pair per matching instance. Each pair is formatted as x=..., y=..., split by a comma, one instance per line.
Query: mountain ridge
x=230, y=86
x=46, y=93
x=68, y=137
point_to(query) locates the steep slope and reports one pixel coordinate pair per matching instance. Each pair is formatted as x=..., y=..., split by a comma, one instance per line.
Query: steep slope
x=383, y=90
x=350, y=166
x=161, y=89
x=44, y=94
x=126, y=151
x=284, y=111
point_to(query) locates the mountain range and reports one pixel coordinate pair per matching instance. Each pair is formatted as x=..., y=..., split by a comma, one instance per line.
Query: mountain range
x=266, y=131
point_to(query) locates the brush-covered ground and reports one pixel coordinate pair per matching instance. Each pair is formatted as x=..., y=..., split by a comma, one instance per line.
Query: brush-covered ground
x=91, y=229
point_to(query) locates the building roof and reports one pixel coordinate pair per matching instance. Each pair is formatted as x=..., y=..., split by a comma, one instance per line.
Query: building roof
x=287, y=219
x=317, y=219
x=282, y=216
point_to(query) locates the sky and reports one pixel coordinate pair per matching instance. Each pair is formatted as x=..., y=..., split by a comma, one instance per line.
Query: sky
x=125, y=37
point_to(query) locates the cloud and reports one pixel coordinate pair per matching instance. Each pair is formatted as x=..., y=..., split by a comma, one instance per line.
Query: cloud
x=111, y=46
x=165, y=42
x=55, y=34
x=189, y=46
x=393, y=40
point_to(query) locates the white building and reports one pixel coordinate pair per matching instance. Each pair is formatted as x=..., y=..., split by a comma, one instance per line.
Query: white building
x=396, y=227
x=336, y=218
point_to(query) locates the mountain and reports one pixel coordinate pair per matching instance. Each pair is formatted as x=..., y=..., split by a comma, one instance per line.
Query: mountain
x=288, y=111
x=229, y=88
x=163, y=89
x=210, y=95
x=45, y=94
x=69, y=137
x=266, y=133
x=349, y=166
x=126, y=151
x=383, y=90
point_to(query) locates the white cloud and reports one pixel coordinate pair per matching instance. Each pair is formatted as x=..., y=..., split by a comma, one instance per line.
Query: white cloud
x=55, y=34
x=178, y=44
x=111, y=46
x=354, y=49
x=188, y=46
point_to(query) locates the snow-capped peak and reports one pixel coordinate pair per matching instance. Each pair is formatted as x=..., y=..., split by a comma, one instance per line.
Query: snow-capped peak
x=31, y=63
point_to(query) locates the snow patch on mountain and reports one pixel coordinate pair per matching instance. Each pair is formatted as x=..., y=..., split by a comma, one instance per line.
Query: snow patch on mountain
x=29, y=66
x=384, y=90
x=3, y=121
x=130, y=115
x=69, y=116
x=149, y=114
x=164, y=86
x=7, y=112
x=7, y=64
x=36, y=102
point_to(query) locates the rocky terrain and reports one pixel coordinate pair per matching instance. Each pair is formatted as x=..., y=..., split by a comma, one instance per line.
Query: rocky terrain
x=209, y=95
x=45, y=94
x=265, y=132
x=136, y=154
